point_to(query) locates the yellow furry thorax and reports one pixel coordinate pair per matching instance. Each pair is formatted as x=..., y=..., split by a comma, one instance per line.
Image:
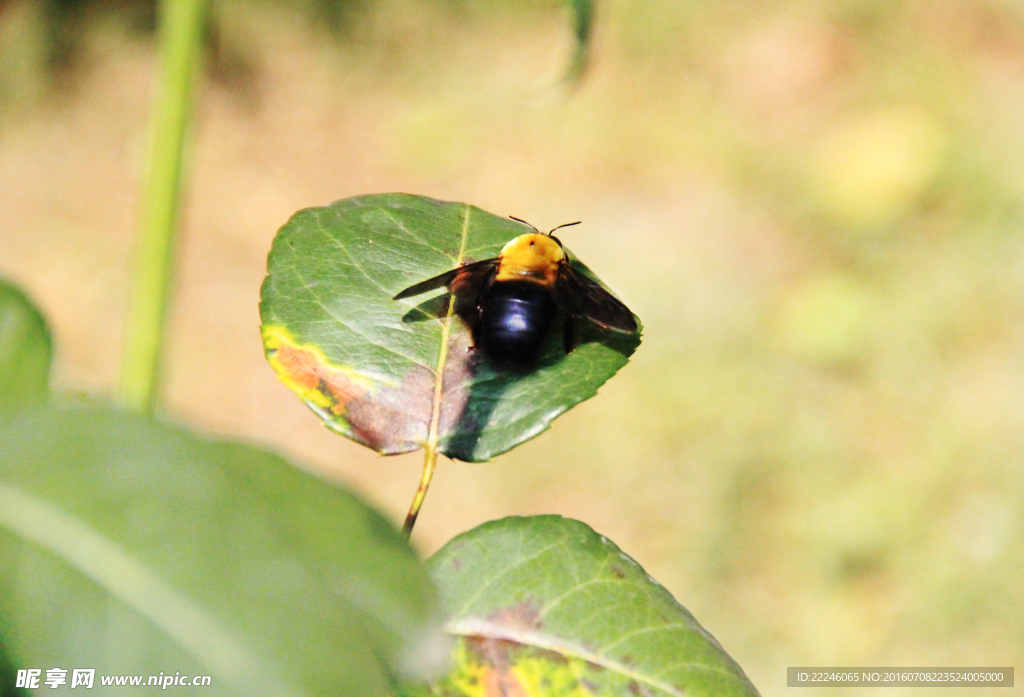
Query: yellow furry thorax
x=531, y=257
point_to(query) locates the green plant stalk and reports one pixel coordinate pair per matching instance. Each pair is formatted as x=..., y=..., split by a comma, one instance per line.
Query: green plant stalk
x=181, y=24
x=582, y=25
x=429, y=463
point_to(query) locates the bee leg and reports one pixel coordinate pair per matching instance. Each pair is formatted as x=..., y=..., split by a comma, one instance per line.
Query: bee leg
x=569, y=334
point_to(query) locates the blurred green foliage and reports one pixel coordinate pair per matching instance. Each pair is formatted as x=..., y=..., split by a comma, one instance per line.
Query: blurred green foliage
x=131, y=545
x=137, y=547
x=25, y=352
x=46, y=39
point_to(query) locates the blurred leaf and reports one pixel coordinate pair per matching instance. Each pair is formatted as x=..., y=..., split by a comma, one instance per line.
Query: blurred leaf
x=9, y=676
x=135, y=547
x=368, y=365
x=583, y=21
x=546, y=606
x=25, y=351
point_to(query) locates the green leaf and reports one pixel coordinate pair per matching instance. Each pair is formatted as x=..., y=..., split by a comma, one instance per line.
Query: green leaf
x=25, y=351
x=133, y=547
x=369, y=366
x=546, y=606
x=9, y=677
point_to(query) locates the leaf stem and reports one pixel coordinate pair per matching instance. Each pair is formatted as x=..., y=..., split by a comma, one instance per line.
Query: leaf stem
x=430, y=447
x=181, y=24
x=429, y=463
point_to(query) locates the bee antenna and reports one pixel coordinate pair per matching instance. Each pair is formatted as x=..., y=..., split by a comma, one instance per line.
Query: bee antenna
x=523, y=222
x=563, y=225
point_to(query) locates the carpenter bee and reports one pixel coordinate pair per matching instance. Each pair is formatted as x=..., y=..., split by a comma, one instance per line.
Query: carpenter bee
x=513, y=298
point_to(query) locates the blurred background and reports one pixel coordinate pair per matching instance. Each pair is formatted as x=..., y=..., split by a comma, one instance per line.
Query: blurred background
x=816, y=209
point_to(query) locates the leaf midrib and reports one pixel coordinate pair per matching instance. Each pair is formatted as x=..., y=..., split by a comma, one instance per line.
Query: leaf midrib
x=442, y=359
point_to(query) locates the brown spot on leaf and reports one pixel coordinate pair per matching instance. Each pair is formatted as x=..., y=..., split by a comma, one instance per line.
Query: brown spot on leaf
x=492, y=652
x=458, y=379
x=523, y=616
x=501, y=658
x=306, y=369
x=390, y=418
x=394, y=418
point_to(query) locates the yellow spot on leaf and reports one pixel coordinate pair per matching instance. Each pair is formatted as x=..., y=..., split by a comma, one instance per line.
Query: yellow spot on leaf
x=305, y=369
x=497, y=668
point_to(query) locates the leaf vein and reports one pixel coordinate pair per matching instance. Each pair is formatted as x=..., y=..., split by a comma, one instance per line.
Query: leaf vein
x=501, y=573
x=579, y=586
x=643, y=630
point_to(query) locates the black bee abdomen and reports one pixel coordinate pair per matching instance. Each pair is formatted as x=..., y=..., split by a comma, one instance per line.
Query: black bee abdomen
x=514, y=320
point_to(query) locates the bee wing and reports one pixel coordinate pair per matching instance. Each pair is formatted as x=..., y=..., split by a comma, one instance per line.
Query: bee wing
x=458, y=280
x=583, y=297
